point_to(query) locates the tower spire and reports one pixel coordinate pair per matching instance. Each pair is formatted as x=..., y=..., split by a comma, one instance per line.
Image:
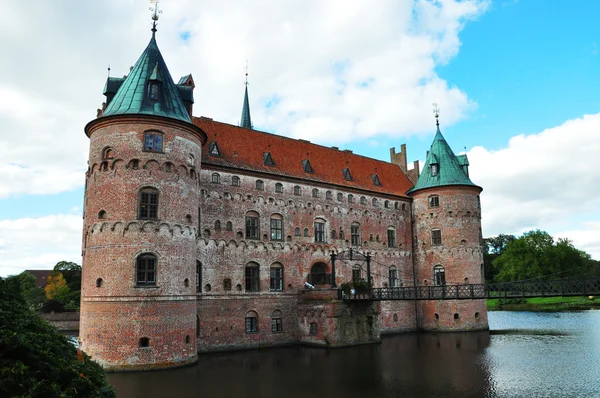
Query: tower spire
x=246, y=121
x=436, y=113
x=155, y=12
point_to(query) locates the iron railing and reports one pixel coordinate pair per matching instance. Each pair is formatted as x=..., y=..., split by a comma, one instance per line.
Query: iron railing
x=525, y=289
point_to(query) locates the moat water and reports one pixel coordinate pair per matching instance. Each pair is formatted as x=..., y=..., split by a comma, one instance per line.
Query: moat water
x=525, y=355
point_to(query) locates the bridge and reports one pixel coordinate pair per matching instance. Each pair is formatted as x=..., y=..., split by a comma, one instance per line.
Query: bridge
x=521, y=289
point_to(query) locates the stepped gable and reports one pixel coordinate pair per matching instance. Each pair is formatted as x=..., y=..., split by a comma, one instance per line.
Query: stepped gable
x=133, y=95
x=243, y=148
x=450, y=169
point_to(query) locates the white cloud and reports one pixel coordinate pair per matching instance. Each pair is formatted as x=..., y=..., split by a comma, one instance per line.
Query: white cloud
x=39, y=243
x=340, y=70
x=546, y=181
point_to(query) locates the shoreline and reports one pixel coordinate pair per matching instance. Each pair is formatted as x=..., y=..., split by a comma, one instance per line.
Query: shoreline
x=545, y=304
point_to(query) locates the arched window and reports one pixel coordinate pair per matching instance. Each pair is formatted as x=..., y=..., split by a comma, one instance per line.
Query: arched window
x=341, y=234
x=226, y=284
x=276, y=227
x=276, y=275
x=251, y=322
x=393, y=277
x=434, y=201
x=397, y=205
x=328, y=195
x=260, y=185
x=235, y=180
x=306, y=232
x=439, y=275
x=436, y=237
x=251, y=276
x=314, y=329
x=386, y=204
x=297, y=190
x=215, y=178
x=146, y=270
x=320, y=230
x=296, y=231
x=217, y=226
x=102, y=214
x=317, y=275
x=279, y=187
x=363, y=200
x=340, y=197
x=252, y=225
x=315, y=193
x=350, y=198
x=391, y=237
x=148, y=204
x=374, y=201
x=356, y=273
x=228, y=226
x=107, y=153
x=198, y=275
x=276, y=322
x=355, y=234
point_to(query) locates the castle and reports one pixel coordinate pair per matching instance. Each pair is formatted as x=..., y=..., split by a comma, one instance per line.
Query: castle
x=203, y=236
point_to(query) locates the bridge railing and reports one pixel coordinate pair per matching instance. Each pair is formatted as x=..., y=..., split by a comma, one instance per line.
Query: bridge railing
x=562, y=287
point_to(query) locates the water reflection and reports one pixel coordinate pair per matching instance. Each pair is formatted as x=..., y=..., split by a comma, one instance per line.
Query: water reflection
x=435, y=365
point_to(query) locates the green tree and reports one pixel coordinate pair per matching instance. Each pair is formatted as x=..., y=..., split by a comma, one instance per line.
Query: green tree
x=36, y=360
x=57, y=288
x=35, y=296
x=492, y=249
x=71, y=272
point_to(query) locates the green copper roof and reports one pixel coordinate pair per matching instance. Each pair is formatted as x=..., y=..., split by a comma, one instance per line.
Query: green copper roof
x=246, y=121
x=451, y=169
x=133, y=95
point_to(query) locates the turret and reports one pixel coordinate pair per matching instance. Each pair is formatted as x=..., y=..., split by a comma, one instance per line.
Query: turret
x=138, y=306
x=447, y=237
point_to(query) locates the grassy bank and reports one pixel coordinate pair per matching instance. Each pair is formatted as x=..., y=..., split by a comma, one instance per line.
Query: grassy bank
x=544, y=303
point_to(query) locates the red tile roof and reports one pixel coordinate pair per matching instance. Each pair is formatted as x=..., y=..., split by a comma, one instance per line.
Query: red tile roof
x=243, y=148
x=41, y=276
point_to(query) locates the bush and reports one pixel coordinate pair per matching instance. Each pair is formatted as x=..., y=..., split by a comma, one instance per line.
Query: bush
x=36, y=360
x=53, y=305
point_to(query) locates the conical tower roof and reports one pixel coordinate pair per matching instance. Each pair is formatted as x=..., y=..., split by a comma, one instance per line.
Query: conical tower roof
x=246, y=121
x=449, y=169
x=135, y=97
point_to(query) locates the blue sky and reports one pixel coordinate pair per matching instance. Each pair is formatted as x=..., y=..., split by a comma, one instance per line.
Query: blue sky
x=516, y=81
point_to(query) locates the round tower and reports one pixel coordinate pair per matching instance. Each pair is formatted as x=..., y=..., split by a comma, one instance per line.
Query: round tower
x=138, y=302
x=447, y=241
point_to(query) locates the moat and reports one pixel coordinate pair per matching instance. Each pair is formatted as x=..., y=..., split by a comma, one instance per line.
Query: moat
x=526, y=355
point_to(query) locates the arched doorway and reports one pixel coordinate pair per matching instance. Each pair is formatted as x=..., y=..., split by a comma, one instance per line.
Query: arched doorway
x=318, y=274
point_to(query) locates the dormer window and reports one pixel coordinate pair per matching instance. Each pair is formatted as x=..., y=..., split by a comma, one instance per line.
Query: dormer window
x=154, y=84
x=268, y=160
x=213, y=149
x=347, y=175
x=306, y=166
x=434, y=170
x=154, y=90
x=375, y=179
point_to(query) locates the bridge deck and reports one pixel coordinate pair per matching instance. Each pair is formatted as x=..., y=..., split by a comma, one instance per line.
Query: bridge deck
x=562, y=287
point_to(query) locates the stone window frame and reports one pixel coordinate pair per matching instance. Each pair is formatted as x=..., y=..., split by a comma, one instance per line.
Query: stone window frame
x=146, y=269
x=363, y=200
x=235, y=181
x=276, y=227
x=297, y=231
x=374, y=202
x=350, y=198
x=393, y=276
x=340, y=197
x=228, y=226
x=436, y=237
x=315, y=193
x=148, y=203
x=297, y=190
x=215, y=178
x=391, y=237
x=252, y=277
x=251, y=322
x=439, y=275
x=319, y=226
x=279, y=188
x=276, y=322
x=156, y=140
x=252, y=225
x=328, y=195
x=355, y=234
x=276, y=277
x=260, y=185
x=433, y=201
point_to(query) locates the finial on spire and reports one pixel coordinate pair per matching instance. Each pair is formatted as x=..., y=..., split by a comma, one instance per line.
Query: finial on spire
x=108, y=70
x=246, y=83
x=436, y=113
x=155, y=12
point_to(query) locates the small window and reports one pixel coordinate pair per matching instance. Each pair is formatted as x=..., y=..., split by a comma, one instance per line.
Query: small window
x=375, y=179
x=478, y=202
x=217, y=226
x=251, y=276
x=107, y=153
x=187, y=339
x=456, y=316
x=260, y=185
x=296, y=231
x=99, y=282
x=395, y=317
x=235, y=180
x=439, y=275
x=391, y=237
x=144, y=342
x=251, y=322
x=374, y=202
x=154, y=91
x=276, y=276
x=276, y=322
x=148, y=204
x=340, y=197
x=320, y=231
x=268, y=159
x=146, y=270
x=355, y=234
x=252, y=225
x=363, y=200
x=306, y=234
x=198, y=275
x=315, y=193
x=228, y=226
x=393, y=277
x=213, y=149
x=350, y=198
x=333, y=234
x=227, y=284
x=314, y=329
x=102, y=214
x=434, y=201
x=347, y=175
x=276, y=227
x=215, y=178
x=328, y=195
x=279, y=187
x=386, y=204
x=135, y=164
x=436, y=237
x=153, y=142
x=356, y=273
x=297, y=190
x=434, y=170
x=306, y=166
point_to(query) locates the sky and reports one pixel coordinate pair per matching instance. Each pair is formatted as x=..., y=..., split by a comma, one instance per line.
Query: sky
x=516, y=83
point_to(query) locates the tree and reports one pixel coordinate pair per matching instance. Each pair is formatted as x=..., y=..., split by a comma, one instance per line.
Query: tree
x=71, y=272
x=35, y=296
x=56, y=288
x=36, y=360
x=535, y=255
x=492, y=249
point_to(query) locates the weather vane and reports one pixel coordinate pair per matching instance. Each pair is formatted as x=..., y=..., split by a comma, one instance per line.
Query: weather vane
x=436, y=113
x=155, y=12
x=246, y=73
